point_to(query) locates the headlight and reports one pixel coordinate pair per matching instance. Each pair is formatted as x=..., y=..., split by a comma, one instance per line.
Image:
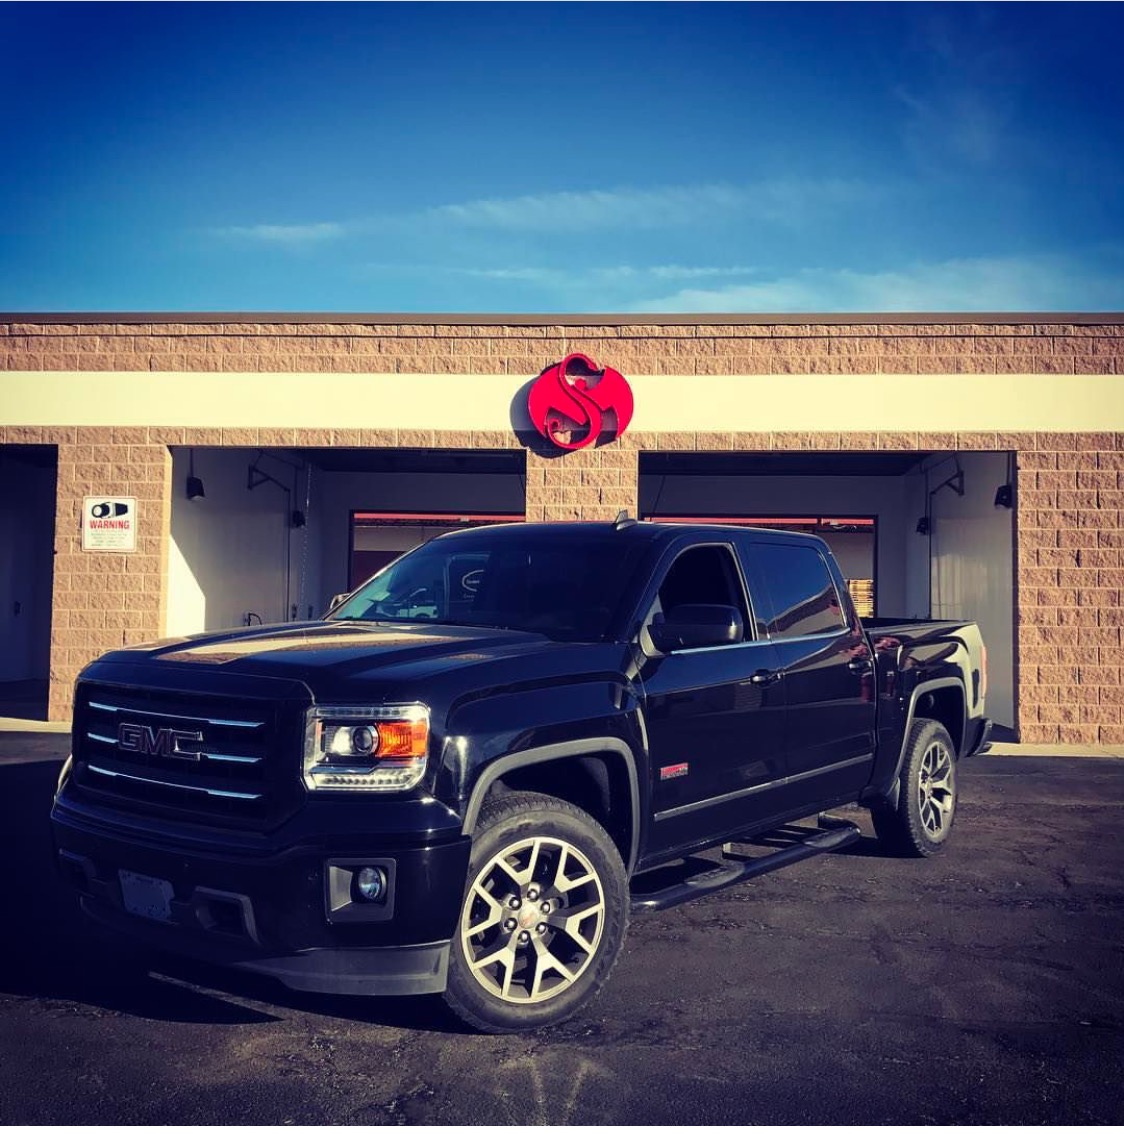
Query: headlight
x=366, y=748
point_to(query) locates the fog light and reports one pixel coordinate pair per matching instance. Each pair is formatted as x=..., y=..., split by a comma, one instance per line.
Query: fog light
x=370, y=883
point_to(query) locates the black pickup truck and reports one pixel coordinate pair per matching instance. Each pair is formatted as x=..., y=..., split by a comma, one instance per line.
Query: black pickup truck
x=467, y=776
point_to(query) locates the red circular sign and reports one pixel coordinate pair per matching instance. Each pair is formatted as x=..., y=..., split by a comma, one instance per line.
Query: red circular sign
x=573, y=397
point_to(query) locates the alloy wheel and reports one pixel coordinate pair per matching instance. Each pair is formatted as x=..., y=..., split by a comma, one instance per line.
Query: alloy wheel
x=533, y=920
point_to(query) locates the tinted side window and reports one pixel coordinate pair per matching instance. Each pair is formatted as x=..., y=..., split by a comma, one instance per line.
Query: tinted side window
x=705, y=574
x=805, y=600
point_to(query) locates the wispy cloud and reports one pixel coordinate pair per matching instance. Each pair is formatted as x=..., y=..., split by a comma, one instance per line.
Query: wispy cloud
x=284, y=234
x=784, y=202
x=621, y=273
x=998, y=284
x=673, y=206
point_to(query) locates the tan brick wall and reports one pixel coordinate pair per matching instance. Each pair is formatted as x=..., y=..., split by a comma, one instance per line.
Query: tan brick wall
x=657, y=348
x=1070, y=521
x=588, y=484
x=102, y=600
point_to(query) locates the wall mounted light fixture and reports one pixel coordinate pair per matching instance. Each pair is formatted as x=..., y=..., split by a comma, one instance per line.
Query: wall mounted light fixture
x=1005, y=493
x=194, y=483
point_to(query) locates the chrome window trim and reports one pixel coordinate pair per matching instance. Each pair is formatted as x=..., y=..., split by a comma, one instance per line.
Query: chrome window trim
x=726, y=646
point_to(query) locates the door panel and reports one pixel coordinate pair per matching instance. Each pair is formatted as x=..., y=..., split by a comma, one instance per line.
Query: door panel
x=830, y=693
x=825, y=664
x=716, y=740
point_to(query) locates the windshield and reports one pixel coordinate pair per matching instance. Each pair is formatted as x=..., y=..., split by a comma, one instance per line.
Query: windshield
x=565, y=588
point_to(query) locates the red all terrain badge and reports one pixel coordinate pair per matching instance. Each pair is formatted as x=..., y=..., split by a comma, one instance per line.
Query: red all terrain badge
x=573, y=403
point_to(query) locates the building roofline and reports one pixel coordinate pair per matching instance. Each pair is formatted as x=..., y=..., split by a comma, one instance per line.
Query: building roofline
x=568, y=320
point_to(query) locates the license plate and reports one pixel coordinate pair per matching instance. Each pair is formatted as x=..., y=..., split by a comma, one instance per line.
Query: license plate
x=145, y=896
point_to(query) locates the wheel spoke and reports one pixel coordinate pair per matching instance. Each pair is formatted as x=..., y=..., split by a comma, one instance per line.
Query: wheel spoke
x=927, y=817
x=569, y=920
x=563, y=883
x=546, y=962
x=505, y=958
x=493, y=916
x=519, y=877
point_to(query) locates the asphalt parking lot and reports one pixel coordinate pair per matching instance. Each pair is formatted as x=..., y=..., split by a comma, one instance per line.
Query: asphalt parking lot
x=984, y=986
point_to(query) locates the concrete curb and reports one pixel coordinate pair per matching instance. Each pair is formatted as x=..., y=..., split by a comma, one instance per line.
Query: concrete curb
x=16, y=724
x=1100, y=751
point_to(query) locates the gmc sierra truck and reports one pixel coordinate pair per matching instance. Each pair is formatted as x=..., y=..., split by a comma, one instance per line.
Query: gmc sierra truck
x=463, y=779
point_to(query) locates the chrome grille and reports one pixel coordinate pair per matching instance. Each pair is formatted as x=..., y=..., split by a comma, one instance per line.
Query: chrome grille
x=184, y=752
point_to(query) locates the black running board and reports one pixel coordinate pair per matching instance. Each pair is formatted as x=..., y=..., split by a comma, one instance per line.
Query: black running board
x=839, y=833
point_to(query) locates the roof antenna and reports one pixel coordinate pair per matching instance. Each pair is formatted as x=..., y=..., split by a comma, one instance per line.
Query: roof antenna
x=623, y=520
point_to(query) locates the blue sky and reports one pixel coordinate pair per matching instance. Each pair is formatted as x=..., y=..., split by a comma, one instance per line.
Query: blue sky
x=562, y=157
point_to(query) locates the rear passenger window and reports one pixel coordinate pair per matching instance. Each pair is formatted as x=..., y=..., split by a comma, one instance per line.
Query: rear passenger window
x=805, y=600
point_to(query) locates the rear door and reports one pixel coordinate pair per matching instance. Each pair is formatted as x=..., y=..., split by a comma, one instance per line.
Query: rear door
x=825, y=666
x=714, y=715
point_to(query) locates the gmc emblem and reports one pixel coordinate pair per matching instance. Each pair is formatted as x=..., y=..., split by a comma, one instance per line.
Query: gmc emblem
x=156, y=741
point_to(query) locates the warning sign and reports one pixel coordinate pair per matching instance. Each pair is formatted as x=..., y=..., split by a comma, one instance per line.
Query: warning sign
x=109, y=524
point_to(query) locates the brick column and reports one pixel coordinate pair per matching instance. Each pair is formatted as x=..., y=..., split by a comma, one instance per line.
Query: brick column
x=587, y=484
x=103, y=600
x=1070, y=619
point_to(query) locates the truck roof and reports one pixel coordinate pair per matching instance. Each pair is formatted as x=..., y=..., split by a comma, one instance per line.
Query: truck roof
x=627, y=529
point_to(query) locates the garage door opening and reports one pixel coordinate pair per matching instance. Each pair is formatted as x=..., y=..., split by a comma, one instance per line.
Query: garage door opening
x=957, y=564
x=268, y=535
x=28, y=475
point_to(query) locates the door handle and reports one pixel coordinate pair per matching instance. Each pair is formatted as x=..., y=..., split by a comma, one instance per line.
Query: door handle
x=859, y=665
x=766, y=677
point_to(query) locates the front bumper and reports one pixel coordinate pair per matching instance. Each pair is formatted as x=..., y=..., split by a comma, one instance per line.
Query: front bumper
x=266, y=903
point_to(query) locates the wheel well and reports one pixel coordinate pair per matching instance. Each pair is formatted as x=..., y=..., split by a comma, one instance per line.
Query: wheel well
x=945, y=705
x=598, y=784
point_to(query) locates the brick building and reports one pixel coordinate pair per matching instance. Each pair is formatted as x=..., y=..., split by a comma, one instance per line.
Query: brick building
x=323, y=445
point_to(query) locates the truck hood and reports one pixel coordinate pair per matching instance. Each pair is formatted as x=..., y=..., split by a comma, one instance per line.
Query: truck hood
x=323, y=654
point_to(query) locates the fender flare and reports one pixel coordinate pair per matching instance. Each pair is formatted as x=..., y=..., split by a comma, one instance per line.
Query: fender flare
x=915, y=696
x=548, y=753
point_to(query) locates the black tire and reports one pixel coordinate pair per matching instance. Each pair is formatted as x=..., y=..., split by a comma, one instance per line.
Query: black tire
x=543, y=919
x=920, y=824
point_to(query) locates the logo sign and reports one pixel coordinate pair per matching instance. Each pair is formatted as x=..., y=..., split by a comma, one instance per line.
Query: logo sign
x=109, y=523
x=148, y=741
x=573, y=402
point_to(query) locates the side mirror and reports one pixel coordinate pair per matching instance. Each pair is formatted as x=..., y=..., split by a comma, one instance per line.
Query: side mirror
x=694, y=626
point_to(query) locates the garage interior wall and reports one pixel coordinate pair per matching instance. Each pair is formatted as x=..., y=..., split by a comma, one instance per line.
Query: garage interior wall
x=973, y=567
x=965, y=569
x=229, y=549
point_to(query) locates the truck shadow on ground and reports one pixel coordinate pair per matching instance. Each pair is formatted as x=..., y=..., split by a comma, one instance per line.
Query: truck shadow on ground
x=53, y=953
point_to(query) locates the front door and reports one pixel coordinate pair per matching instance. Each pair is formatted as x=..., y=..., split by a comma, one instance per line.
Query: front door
x=715, y=716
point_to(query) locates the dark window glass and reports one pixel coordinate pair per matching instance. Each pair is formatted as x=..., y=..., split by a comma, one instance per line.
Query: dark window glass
x=565, y=588
x=703, y=575
x=805, y=600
